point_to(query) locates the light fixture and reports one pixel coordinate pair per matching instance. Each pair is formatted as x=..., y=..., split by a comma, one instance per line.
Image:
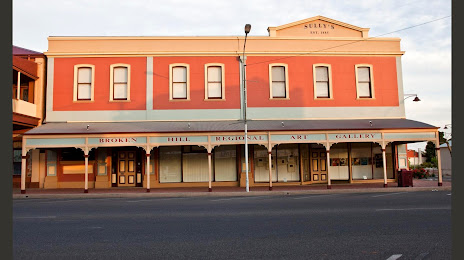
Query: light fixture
x=416, y=99
x=247, y=28
x=446, y=126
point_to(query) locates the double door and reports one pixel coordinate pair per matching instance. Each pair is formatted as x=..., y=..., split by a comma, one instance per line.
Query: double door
x=318, y=159
x=126, y=169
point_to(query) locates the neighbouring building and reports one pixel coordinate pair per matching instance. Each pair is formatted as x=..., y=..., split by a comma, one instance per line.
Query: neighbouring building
x=413, y=158
x=28, y=109
x=324, y=105
x=445, y=151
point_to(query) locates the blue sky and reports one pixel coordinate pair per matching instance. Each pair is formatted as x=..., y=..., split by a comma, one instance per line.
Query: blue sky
x=426, y=63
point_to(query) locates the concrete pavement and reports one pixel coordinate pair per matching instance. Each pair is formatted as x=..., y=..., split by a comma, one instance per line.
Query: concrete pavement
x=419, y=185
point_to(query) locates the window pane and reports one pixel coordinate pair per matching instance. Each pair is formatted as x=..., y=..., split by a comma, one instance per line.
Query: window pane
x=363, y=74
x=278, y=73
x=364, y=89
x=84, y=91
x=179, y=90
x=322, y=74
x=120, y=75
x=214, y=74
x=322, y=89
x=120, y=91
x=278, y=89
x=84, y=75
x=214, y=90
x=179, y=74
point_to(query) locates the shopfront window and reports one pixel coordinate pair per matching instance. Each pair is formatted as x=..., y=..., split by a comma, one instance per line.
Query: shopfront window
x=170, y=161
x=225, y=163
x=339, y=164
x=284, y=163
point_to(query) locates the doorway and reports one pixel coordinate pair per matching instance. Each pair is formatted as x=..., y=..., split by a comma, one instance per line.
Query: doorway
x=126, y=169
x=318, y=165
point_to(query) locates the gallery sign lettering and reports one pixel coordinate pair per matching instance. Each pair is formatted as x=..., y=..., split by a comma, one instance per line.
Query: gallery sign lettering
x=117, y=140
x=111, y=141
x=355, y=136
x=178, y=139
x=298, y=138
x=237, y=138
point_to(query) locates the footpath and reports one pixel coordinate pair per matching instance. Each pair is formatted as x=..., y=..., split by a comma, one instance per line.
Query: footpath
x=418, y=185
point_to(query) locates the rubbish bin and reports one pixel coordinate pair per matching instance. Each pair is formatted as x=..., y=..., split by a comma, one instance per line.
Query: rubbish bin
x=405, y=178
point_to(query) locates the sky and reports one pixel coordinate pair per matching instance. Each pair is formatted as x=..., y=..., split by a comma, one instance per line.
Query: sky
x=425, y=37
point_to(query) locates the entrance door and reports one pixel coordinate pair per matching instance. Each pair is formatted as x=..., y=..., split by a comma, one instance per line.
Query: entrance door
x=318, y=165
x=126, y=169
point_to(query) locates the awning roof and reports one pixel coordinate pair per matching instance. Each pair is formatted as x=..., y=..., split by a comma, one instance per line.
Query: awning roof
x=26, y=67
x=224, y=126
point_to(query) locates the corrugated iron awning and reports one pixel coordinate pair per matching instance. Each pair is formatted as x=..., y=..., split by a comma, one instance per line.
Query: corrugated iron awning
x=225, y=126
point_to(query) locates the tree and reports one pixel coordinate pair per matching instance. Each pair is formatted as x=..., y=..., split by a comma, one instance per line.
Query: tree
x=441, y=136
x=430, y=151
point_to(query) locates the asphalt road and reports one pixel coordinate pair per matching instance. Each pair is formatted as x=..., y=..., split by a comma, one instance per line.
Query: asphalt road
x=401, y=225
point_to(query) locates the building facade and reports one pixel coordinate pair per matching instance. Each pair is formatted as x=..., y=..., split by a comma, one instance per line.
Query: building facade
x=28, y=93
x=323, y=103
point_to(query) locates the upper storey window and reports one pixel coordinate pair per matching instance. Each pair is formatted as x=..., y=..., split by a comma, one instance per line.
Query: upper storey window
x=364, y=81
x=120, y=82
x=179, y=82
x=84, y=75
x=214, y=83
x=322, y=81
x=278, y=79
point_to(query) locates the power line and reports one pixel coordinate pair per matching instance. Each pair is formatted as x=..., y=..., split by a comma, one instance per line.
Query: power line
x=354, y=41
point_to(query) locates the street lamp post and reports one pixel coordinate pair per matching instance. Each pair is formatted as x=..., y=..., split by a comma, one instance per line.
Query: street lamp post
x=247, y=30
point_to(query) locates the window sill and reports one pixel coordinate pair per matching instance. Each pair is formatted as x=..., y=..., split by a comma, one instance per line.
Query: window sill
x=179, y=99
x=323, y=98
x=364, y=98
x=215, y=99
x=116, y=101
x=276, y=98
x=83, y=101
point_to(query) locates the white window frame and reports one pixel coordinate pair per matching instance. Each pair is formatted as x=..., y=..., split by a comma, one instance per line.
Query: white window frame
x=223, y=82
x=287, y=96
x=92, y=83
x=171, y=66
x=112, y=67
x=371, y=74
x=329, y=69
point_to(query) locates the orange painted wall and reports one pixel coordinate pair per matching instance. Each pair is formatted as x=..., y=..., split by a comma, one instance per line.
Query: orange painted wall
x=63, y=83
x=197, y=83
x=301, y=91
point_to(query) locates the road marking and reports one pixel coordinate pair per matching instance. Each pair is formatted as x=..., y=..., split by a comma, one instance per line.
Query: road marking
x=35, y=217
x=394, y=257
x=421, y=256
x=448, y=194
x=239, y=198
x=389, y=194
x=152, y=199
x=83, y=199
x=314, y=196
x=413, y=209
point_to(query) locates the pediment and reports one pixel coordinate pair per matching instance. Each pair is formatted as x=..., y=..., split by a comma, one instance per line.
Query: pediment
x=318, y=26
